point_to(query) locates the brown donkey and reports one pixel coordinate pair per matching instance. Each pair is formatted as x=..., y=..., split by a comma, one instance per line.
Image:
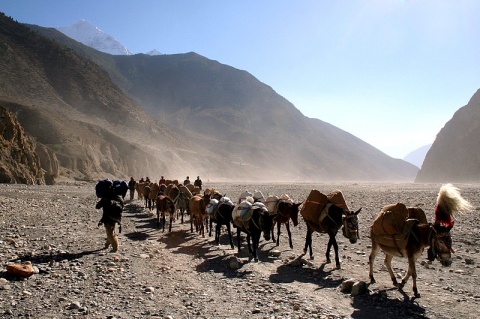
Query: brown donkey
x=402, y=232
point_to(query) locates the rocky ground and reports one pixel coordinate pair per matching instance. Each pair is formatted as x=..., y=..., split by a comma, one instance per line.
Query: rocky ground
x=182, y=275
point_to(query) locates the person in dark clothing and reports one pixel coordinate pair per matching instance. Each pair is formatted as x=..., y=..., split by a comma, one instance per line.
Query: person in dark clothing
x=131, y=187
x=186, y=181
x=198, y=182
x=112, y=214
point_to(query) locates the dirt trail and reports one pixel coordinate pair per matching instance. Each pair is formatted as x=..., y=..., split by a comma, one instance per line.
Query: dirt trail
x=182, y=275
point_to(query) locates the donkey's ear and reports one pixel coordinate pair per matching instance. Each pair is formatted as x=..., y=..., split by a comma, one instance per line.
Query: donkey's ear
x=358, y=211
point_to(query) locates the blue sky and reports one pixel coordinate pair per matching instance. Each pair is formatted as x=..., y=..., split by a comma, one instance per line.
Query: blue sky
x=390, y=72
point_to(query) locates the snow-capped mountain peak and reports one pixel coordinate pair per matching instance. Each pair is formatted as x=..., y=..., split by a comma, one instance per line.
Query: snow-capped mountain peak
x=84, y=32
x=154, y=52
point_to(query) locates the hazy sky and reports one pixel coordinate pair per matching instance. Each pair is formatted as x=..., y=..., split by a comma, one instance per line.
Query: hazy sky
x=390, y=72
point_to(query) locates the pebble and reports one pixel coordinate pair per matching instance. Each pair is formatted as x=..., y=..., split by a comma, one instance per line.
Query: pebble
x=149, y=289
x=152, y=278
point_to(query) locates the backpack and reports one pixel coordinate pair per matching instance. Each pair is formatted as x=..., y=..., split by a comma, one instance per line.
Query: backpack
x=120, y=187
x=104, y=189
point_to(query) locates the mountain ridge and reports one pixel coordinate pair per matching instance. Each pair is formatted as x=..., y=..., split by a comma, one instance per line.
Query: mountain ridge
x=454, y=155
x=211, y=119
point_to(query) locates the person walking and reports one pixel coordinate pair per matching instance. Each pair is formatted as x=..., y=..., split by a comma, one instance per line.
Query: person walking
x=131, y=187
x=112, y=205
x=198, y=183
x=186, y=181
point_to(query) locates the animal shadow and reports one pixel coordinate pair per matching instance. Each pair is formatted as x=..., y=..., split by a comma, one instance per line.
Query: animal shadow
x=45, y=258
x=293, y=271
x=380, y=305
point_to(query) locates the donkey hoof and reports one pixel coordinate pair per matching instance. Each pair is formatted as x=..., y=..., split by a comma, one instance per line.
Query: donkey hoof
x=328, y=261
x=337, y=266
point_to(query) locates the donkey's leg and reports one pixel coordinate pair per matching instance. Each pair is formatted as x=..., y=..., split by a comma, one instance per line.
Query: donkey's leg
x=335, y=248
x=329, y=247
x=279, y=225
x=171, y=221
x=371, y=260
x=255, y=241
x=164, y=221
x=238, y=238
x=202, y=226
x=249, y=245
x=388, y=264
x=230, y=234
x=210, y=232
x=158, y=218
x=412, y=271
x=308, y=242
x=217, y=232
x=273, y=231
x=287, y=224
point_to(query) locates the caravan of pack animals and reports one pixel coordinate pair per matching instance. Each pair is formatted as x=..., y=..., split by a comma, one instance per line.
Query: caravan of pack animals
x=398, y=230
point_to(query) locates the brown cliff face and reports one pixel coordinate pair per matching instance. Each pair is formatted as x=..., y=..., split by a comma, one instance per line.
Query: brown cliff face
x=205, y=118
x=20, y=163
x=455, y=154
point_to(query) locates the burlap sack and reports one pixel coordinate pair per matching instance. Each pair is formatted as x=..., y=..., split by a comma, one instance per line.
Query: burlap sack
x=313, y=206
x=185, y=190
x=271, y=203
x=258, y=196
x=153, y=191
x=390, y=220
x=397, y=240
x=242, y=213
x=244, y=195
x=196, y=190
x=418, y=214
x=336, y=197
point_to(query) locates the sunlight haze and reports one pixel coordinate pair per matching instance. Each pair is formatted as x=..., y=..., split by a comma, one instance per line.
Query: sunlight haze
x=391, y=73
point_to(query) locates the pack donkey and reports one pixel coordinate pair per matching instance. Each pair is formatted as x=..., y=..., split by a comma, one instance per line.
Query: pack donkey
x=404, y=232
x=327, y=214
x=252, y=219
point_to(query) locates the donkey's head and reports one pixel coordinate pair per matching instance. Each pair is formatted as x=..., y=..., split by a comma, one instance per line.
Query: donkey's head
x=350, y=225
x=441, y=245
x=265, y=221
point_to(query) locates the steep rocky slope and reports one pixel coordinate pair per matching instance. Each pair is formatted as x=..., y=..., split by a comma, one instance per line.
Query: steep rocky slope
x=20, y=163
x=87, y=126
x=455, y=154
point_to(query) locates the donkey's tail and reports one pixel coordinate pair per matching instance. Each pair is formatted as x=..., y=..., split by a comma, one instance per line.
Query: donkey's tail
x=450, y=203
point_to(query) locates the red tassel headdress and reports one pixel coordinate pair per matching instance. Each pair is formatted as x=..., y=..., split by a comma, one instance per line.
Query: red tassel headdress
x=449, y=203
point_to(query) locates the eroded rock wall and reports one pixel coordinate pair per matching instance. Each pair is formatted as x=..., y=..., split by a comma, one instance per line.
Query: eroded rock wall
x=20, y=162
